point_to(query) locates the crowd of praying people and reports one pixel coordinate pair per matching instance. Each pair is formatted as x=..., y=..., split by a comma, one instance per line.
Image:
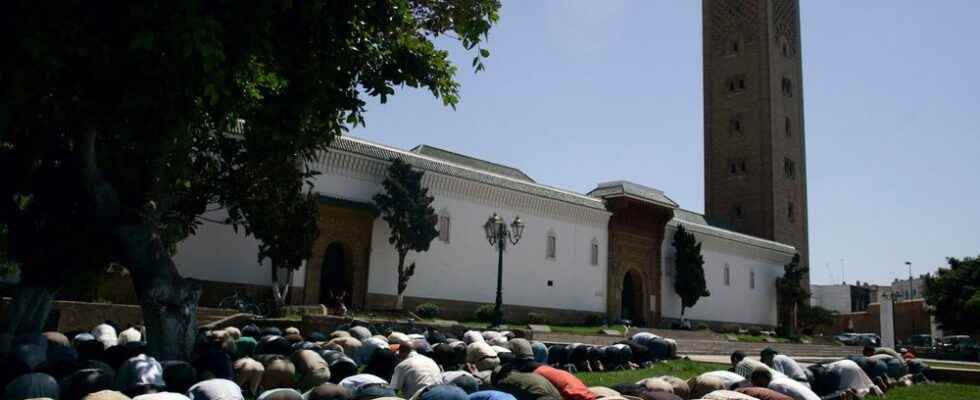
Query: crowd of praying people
x=354, y=363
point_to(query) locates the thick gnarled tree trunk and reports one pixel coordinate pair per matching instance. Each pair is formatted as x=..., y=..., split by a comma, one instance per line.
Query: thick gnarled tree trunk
x=168, y=300
x=26, y=314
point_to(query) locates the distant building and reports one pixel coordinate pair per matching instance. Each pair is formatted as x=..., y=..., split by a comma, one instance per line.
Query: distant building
x=902, y=288
x=843, y=298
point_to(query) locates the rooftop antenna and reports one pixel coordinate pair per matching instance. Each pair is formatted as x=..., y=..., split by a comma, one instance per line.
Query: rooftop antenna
x=842, y=270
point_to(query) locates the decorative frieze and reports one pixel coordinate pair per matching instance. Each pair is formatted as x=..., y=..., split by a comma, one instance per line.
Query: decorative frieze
x=364, y=168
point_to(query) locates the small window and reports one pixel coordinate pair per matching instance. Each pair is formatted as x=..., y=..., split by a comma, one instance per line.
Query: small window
x=594, y=254
x=789, y=168
x=790, y=212
x=752, y=279
x=736, y=83
x=789, y=127
x=785, y=49
x=737, y=211
x=787, y=87
x=736, y=125
x=742, y=166
x=735, y=47
x=732, y=168
x=552, y=246
x=728, y=275
x=444, y=227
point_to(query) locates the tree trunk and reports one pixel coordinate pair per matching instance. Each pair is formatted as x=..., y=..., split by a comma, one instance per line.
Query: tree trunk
x=26, y=314
x=795, y=307
x=168, y=300
x=402, y=282
x=280, y=290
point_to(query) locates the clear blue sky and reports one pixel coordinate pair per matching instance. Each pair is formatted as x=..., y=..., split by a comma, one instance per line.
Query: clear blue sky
x=581, y=92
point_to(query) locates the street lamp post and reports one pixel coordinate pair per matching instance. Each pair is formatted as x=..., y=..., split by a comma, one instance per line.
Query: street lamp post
x=499, y=235
x=909, y=263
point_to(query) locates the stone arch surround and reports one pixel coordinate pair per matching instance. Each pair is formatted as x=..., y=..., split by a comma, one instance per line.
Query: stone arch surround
x=349, y=224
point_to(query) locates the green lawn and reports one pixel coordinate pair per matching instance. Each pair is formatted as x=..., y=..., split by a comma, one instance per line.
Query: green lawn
x=939, y=391
x=685, y=369
x=680, y=368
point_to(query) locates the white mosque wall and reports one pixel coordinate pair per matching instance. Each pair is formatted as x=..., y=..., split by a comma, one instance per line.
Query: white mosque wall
x=736, y=302
x=218, y=253
x=465, y=268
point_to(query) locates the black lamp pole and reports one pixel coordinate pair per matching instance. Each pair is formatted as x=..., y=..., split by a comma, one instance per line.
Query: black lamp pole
x=910, y=296
x=498, y=311
x=499, y=235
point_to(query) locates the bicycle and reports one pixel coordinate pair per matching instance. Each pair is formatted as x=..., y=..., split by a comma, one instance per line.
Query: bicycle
x=242, y=303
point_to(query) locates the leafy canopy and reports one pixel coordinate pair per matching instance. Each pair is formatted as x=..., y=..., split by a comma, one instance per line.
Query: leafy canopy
x=158, y=86
x=689, y=280
x=953, y=294
x=810, y=317
x=406, y=206
x=790, y=285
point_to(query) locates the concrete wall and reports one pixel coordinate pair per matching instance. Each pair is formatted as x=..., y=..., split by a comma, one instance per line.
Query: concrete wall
x=832, y=297
x=736, y=302
x=911, y=318
x=465, y=269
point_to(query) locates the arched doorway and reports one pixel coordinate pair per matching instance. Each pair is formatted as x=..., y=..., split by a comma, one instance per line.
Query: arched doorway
x=335, y=274
x=632, y=307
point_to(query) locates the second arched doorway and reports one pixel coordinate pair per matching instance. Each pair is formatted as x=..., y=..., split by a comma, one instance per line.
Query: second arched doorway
x=632, y=297
x=336, y=276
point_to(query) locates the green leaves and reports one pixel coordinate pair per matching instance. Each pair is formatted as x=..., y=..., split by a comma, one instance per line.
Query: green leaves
x=689, y=282
x=407, y=208
x=953, y=295
x=167, y=84
x=790, y=285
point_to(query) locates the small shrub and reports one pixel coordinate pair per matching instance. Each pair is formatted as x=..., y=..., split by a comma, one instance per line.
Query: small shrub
x=755, y=332
x=596, y=319
x=702, y=327
x=782, y=331
x=427, y=310
x=484, y=313
x=536, y=318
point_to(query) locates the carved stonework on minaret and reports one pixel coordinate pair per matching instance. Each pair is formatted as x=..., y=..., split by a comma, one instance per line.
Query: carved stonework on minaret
x=784, y=18
x=734, y=20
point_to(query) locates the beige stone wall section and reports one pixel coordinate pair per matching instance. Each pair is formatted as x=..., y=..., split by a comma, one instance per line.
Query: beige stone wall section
x=351, y=227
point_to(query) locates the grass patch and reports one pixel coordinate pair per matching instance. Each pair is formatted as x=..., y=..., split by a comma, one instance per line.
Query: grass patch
x=680, y=368
x=685, y=369
x=759, y=339
x=939, y=391
x=584, y=330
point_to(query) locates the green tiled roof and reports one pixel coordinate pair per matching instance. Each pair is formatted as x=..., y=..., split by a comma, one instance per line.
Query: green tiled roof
x=471, y=162
x=721, y=229
x=635, y=190
x=385, y=153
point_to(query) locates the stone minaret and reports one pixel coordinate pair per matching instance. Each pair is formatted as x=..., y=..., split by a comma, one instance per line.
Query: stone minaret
x=754, y=143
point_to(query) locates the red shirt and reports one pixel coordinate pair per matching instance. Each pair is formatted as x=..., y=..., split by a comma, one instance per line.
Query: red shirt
x=570, y=387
